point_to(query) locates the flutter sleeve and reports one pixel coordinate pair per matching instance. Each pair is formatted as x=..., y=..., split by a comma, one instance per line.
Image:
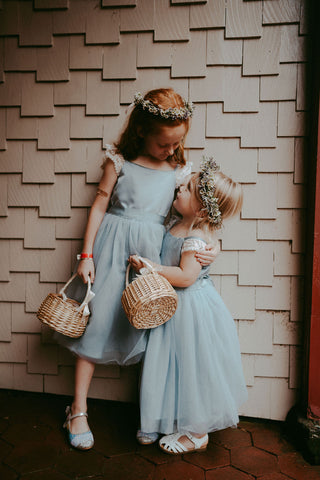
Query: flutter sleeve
x=182, y=173
x=116, y=157
x=193, y=244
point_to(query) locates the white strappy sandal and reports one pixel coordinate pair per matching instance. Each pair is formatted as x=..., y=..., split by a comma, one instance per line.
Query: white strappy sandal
x=81, y=441
x=170, y=443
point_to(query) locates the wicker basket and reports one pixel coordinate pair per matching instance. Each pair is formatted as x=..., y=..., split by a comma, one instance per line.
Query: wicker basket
x=65, y=315
x=148, y=301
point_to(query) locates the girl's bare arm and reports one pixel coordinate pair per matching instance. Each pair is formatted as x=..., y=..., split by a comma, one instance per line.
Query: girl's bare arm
x=182, y=276
x=97, y=212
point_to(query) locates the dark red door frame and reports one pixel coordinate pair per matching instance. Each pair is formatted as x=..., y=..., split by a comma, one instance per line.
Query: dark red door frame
x=313, y=365
x=311, y=386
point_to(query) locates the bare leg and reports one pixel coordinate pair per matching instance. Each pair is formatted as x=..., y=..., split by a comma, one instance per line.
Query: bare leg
x=83, y=376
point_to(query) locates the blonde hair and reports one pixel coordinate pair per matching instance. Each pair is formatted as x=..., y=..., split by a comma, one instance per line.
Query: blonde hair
x=131, y=142
x=229, y=196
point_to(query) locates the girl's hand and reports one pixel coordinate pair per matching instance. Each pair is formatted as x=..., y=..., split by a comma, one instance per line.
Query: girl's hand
x=135, y=262
x=85, y=269
x=208, y=256
x=138, y=263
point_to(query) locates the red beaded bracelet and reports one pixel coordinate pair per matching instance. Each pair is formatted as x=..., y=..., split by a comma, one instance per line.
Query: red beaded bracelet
x=83, y=256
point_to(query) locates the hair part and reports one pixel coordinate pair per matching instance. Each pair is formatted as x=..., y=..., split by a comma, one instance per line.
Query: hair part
x=142, y=123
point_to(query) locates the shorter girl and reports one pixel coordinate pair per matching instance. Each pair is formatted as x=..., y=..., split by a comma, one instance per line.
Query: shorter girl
x=192, y=381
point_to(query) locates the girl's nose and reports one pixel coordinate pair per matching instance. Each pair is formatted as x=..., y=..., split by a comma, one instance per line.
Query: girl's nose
x=170, y=151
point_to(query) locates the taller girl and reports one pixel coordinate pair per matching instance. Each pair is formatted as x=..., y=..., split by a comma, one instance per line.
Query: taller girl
x=136, y=190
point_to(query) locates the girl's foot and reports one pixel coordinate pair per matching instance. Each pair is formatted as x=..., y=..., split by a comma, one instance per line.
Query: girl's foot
x=146, y=438
x=179, y=443
x=79, y=434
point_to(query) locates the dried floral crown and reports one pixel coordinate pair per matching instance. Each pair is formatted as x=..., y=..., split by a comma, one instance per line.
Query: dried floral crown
x=207, y=188
x=170, y=113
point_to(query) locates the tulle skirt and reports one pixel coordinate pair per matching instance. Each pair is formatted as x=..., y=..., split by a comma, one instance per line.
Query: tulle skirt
x=192, y=377
x=109, y=337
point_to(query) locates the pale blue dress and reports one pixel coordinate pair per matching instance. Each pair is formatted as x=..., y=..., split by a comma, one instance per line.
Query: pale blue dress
x=192, y=378
x=133, y=224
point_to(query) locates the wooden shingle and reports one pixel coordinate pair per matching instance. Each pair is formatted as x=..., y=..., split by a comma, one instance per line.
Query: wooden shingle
x=84, y=57
x=282, y=11
x=54, y=132
x=55, y=199
x=173, y=27
x=197, y=50
x=102, y=26
x=36, y=98
x=11, y=159
x=10, y=90
x=53, y=62
x=18, y=59
x=35, y=28
x=261, y=56
x=222, y=51
x=18, y=127
x=84, y=126
x=102, y=96
x=23, y=259
x=22, y=195
x=12, y=225
x=256, y=268
x=4, y=267
x=243, y=19
x=72, y=92
x=276, y=297
x=113, y=65
x=39, y=232
x=137, y=19
x=208, y=15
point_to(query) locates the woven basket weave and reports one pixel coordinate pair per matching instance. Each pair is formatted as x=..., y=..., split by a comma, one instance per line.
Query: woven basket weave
x=65, y=315
x=148, y=301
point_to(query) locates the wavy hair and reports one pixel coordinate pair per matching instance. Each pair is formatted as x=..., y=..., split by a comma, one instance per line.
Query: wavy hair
x=141, y=123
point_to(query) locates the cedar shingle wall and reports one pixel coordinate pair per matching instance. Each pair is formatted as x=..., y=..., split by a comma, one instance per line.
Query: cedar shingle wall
x=68, y=70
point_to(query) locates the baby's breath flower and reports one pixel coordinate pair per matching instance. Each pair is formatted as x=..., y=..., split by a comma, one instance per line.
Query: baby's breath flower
x=170, y=113
x=207, y=189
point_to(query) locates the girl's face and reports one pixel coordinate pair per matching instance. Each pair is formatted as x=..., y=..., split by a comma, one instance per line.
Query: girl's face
x=161, y=144
x=186, y=202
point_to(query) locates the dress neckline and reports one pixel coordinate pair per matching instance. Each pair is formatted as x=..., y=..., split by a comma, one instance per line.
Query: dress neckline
x=152, y=169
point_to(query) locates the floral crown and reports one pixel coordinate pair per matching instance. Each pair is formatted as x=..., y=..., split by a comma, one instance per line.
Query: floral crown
x=207, y=188
x=170, y=113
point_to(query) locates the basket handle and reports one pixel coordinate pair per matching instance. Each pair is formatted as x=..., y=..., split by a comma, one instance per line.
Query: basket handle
x=150, y=267
x=86, y=298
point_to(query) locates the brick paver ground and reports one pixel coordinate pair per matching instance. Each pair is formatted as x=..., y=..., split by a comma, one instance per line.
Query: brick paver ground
x=33, y=446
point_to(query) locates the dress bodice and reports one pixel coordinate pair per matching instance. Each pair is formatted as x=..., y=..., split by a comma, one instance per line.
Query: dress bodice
x=145, y=189
x=171, y=252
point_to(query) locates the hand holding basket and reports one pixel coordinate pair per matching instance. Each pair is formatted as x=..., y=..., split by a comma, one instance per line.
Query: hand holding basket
x=65, y=315
x=150, y=300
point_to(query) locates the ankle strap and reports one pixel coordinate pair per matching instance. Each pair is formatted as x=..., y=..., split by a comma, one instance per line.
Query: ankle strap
x=81, y=414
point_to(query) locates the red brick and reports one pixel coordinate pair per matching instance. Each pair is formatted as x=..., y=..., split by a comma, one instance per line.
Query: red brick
x=271, y=441
x=215, y=456
x=178, y=471
x=274, y=476
x=254, y=461
x=296, y=467
x=231, y=437
x=81, y=464
x=227, y=473
x=129, y=467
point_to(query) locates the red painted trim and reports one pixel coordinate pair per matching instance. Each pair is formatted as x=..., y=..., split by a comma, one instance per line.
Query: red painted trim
x=314, y=339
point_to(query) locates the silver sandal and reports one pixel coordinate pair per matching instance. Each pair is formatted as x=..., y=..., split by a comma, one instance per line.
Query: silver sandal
x=81, y=441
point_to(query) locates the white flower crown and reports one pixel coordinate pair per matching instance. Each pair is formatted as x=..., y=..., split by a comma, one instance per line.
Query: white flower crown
x=207, y=188
x=170, y=113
